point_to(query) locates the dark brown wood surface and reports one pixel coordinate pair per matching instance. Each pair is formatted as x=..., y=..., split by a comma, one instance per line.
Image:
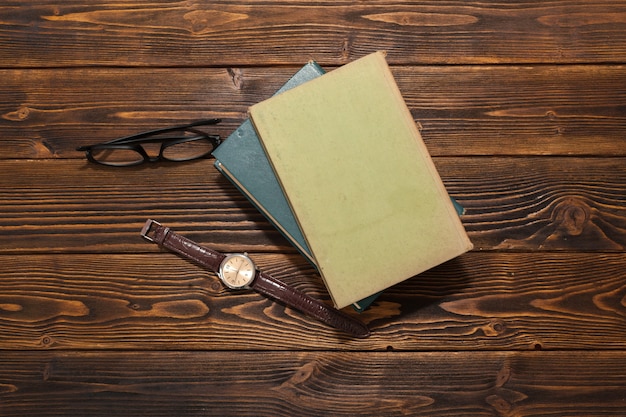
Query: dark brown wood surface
x=523, y=108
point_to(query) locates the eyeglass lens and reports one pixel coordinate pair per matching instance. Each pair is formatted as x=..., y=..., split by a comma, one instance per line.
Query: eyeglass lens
x=117, y=157
x=185, y=151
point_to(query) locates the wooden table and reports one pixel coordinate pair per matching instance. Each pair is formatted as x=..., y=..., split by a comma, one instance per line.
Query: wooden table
x=523, y=108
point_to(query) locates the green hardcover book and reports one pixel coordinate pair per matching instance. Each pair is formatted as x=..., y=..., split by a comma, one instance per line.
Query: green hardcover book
x=242, y=160
x=359, y=180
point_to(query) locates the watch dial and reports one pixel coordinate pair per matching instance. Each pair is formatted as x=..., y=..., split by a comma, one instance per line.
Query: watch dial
x=237, y=271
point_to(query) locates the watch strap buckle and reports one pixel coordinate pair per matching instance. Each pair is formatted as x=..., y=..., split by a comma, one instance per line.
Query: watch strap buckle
x=148, y=231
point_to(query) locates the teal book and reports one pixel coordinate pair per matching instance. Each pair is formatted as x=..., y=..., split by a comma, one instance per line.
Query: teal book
x=242, y=160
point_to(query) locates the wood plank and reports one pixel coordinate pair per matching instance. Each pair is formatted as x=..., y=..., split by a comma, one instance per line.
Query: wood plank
x=312, y=384
x=512, y=204
x=76, y=206
x=538, y=204
x=462, y=110
x=79, y=33
x=480, y=301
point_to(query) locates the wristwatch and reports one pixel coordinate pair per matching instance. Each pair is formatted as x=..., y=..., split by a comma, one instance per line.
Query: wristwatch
x=238, y=271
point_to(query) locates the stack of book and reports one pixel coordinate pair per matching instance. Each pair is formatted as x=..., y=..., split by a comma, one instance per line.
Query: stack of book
x=335, y=161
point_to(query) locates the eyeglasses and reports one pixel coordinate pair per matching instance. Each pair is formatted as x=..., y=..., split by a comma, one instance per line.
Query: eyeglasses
x=178, y=143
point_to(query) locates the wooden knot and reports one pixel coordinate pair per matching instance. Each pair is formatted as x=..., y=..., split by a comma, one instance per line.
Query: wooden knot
x=205, y=21
x=18, y=115
x=236, y=77
x=571, y=215
x=301, y=375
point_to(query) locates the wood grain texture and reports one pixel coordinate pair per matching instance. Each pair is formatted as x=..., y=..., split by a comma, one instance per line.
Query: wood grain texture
x=480, y=301
x=512, y=203
x=105, y=383
x=461, y=110
x=79, y=33
x=522, y=105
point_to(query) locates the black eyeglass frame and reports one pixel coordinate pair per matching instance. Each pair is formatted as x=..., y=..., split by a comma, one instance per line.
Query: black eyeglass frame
x=133, y=143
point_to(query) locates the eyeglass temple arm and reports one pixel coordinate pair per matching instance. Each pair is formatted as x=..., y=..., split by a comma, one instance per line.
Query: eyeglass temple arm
x=138, y=136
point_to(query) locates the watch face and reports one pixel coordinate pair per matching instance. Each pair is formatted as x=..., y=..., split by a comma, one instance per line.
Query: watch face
x=237, y=271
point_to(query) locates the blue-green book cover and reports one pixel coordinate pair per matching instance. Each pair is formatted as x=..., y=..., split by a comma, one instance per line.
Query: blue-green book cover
x=242, y=160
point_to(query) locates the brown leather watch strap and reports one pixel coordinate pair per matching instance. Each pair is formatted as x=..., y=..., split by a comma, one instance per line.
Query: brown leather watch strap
x=267, y=285
x=263, y=283
x=163, y=236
